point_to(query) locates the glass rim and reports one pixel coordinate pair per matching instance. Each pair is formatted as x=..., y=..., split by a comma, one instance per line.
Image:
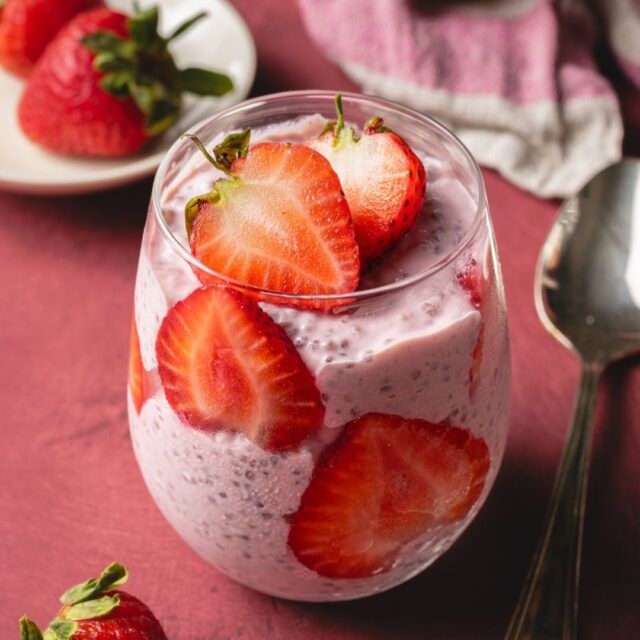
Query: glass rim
x=351, y=296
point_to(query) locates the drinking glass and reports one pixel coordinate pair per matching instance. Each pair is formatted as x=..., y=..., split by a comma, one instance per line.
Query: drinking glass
x=424, y=339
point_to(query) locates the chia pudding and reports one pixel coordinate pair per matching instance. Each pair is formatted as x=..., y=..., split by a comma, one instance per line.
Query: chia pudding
x=410, y=348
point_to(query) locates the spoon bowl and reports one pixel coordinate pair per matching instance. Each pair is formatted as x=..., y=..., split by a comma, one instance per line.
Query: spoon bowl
x=588, y=279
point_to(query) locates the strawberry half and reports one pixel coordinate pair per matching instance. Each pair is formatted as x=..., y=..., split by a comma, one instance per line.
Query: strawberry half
x=279, y=221
x=472, y=282
x=107, y=83
x=226, y=365
x=136, y=369
x=388, y=481
x=383, y=180
x=27, y=27
x=94, y=610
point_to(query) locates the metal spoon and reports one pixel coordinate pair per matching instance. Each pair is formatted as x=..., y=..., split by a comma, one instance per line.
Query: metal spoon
x=588, y=296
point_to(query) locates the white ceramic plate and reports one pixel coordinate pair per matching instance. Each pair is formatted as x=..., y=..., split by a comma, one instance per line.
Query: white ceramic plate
x=221, y=41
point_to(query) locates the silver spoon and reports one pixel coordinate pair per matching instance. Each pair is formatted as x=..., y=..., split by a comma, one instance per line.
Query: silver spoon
x=588, y=296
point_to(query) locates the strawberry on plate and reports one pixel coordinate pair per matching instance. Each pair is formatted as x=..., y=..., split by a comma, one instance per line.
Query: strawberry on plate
x=137, y=376
x=96, y=610
x=473, y=283
x=279, y=221
x=383, y=180
x=387, y=481
x=27, y=27
x=226, y=365
x=107, y=83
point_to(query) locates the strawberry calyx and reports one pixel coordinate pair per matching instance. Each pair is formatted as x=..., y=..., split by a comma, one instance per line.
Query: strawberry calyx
x=375, y=125
x=141, y=68
x=85, y=601
x=232, y=148
x=342, y=133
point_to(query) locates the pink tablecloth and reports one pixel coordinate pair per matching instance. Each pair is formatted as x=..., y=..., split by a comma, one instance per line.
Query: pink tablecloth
x=72, y=499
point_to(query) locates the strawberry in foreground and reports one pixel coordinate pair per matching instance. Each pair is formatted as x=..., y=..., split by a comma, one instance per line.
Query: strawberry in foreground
x=279, y=221
x=136, y=369
x=472, y=282
x=387, y=482
x=107, y=84
x=225, y=365
x=96, y=610
x=27, y=27
x=383, y=180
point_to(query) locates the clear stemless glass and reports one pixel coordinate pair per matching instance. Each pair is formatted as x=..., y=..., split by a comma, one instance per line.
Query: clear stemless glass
x=414, y=364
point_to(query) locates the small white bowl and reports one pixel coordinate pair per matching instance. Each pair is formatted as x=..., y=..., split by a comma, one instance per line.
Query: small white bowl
x=221, y=41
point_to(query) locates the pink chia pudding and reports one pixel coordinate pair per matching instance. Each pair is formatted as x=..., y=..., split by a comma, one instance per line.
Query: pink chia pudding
x=422, y=346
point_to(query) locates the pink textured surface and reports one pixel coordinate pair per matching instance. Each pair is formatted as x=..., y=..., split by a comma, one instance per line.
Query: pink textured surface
x=72, y=499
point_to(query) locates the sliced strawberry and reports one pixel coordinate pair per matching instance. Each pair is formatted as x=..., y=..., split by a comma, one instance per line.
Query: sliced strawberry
x=225, y=365
x=280, y=221
x=388, y=481
x=472, y=282
x=383, y=179
x=136, y=369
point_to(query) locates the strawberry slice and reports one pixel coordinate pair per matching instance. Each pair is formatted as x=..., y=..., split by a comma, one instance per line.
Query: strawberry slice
x=225, y=365
x=388, y=481
x=279, y=222
x=136, y=369
x=472, y=282
x=383, y=179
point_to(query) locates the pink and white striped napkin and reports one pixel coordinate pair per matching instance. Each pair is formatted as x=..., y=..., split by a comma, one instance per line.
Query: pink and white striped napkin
x=515, y=79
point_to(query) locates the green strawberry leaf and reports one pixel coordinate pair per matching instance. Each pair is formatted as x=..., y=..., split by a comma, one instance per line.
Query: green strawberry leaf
x=92, y=608
x=107, y=61
x=143, y=26
x=194, y=206
x=60, y=630
x=114, y=575
x=234, y=146
x=205, y=83
x=330, y=127
x=107, y=42
x=186, y=25
x=161, y=116
x=117, y=83
x=29, y=630
x=375, y=125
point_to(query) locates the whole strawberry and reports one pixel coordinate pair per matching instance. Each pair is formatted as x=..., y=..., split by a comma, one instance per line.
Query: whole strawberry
x=27, y=27
x=383, y=180
x=94, y=610
x=108, y=83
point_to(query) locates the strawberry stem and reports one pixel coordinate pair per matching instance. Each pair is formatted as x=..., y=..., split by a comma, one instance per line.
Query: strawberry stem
x=29, y=630
x=340, y=122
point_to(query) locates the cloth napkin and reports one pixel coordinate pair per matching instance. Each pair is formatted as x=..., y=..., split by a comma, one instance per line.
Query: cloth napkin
x=515, y=79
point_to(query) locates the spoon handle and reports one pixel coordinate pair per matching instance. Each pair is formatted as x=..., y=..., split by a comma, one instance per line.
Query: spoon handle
x=548, y=605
